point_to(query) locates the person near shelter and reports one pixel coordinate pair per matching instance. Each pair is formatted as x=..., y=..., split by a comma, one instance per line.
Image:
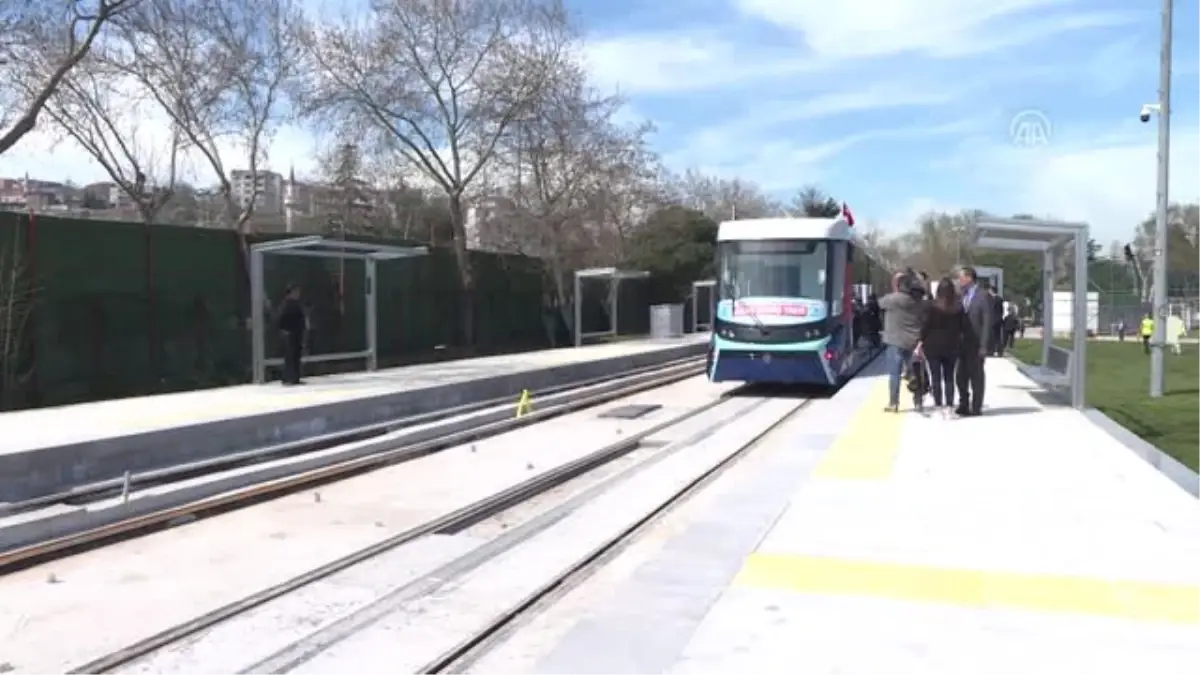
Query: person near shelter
x=874, y=323
x=1175, y=333
x=1012, y=323
x=941, y=340
x=997, y=327
x=292, y=324
x=903, y=315
x=977, y=335
x=1147, y=332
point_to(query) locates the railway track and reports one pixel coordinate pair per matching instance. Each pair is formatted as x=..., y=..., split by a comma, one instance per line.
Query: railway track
x=67, y=534
x=732, y=426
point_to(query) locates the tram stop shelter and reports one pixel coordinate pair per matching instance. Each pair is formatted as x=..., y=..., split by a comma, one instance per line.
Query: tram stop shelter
x=320, y=247
x=995, y=274
x=705, y=287
x=614, y=277
x=1050, y=239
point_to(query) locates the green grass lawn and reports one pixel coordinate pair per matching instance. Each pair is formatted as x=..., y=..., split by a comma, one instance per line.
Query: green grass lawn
x=1118, y=385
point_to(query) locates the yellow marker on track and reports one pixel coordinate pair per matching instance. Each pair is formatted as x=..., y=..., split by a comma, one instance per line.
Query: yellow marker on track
x=525, y=403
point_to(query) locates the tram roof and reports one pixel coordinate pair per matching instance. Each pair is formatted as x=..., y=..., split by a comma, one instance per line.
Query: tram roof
x=785, y=228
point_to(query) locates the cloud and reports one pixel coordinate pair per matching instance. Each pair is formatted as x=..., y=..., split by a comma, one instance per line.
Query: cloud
x=1105, y=177
x=780, y=163
x=857, y=29
x=678, y=61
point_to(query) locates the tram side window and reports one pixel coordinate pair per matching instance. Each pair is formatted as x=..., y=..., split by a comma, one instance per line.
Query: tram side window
x=837, y=286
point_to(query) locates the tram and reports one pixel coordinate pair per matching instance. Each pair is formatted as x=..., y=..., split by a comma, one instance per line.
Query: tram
x=794, y=298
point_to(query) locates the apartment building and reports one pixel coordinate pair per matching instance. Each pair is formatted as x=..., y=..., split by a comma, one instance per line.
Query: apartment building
x=268, y=185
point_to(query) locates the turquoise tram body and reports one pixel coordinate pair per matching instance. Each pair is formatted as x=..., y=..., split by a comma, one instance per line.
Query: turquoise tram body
x=794, y=301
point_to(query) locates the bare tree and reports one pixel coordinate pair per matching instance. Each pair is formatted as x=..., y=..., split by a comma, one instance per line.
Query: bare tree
x=723, y=198
x=558, y=155
x=440, y=83
x=630, y=187
x=102, y=119
x=813, y=202
x=41, y=41
x=218, y=69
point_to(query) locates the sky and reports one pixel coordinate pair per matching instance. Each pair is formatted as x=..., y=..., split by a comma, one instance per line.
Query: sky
x=897, y=107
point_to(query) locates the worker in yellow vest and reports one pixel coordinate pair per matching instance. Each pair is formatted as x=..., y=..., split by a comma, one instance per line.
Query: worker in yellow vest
x=1147, y=332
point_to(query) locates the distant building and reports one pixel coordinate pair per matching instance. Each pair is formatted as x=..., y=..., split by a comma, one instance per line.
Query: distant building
x=309, y=201
x=267, y=185
x=492, y=225
x=39, y=195
x=106, y=195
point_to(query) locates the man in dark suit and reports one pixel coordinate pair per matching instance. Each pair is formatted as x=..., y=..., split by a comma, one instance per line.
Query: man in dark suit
x=997, y=343
x=292, y=324
x=977, y=335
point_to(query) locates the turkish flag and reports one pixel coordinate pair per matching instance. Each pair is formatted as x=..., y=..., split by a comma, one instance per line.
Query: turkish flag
x=846, y=213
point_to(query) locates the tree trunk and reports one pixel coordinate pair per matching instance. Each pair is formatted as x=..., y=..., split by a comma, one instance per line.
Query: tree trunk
x=466, y=274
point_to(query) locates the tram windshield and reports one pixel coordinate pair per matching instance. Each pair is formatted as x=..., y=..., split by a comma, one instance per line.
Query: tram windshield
x=773, y=268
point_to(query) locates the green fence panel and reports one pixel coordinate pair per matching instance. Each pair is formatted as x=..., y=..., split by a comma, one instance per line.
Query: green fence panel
x=126, y=309
x=93, y=334
x=202, y=340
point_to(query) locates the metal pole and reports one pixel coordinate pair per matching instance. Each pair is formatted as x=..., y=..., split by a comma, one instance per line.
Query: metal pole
x=372, y=315
x=258, y=346
x=578, y=311
x=1078, y=374
x=615, y=304
x=695, y=306
x=1157, y=372
x=1047, y=303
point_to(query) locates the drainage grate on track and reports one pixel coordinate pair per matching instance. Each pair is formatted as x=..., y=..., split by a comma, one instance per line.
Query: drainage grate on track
x=630, y=412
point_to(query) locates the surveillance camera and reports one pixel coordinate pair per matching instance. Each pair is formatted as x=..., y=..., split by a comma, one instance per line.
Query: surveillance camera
x=1147, y=110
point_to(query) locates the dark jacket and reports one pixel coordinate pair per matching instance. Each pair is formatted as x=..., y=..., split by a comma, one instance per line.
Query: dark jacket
x=903, y=316
x=942, y=332
x=977, y=329
x=291, y=317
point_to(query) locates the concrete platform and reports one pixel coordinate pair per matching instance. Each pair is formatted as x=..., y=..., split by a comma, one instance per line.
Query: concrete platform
x=47, y=450
x=879, y=544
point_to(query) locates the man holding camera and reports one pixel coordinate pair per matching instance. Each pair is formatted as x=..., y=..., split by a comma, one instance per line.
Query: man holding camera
x=903, y=316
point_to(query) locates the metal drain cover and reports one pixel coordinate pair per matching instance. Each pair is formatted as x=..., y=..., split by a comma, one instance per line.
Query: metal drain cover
x=631, y=412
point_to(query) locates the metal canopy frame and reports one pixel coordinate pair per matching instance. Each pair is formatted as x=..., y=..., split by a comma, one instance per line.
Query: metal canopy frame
x=996, y=273
x=319, y=247
x=612, y=274
x=697, y=325
x=1048, y=237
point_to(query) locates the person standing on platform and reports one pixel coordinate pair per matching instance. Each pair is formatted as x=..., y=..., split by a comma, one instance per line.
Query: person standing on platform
x=977, y=334
x=292, y=325
x=997, y=321
x=1012, y=323
x=903, y=315
x=941, y=340
x=1147, y=332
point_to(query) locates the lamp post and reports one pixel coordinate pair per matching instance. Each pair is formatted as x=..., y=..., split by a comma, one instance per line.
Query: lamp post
x=1157, y=371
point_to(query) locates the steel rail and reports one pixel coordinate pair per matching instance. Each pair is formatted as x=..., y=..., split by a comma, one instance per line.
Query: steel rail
x=462, y=517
